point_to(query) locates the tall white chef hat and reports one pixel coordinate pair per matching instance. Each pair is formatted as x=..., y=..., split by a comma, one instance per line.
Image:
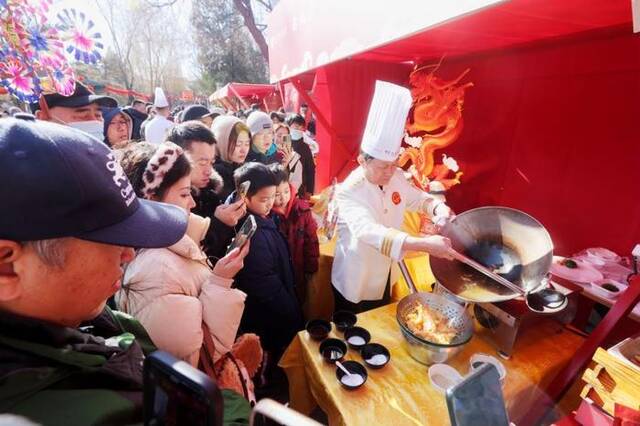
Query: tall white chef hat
x=160, y=100
x=385, y=125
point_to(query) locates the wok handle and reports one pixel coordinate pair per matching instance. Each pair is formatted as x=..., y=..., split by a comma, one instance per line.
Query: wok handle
x=481, y=268
x=407, y=276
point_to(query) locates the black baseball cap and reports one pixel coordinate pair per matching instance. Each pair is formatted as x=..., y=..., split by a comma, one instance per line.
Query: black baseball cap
x=195, y=112
x=81, y=96
x=61, y=182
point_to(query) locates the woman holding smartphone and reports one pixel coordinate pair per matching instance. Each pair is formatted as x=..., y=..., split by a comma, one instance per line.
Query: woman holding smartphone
x=290, y=159
x=174, y=292
x=234, y=143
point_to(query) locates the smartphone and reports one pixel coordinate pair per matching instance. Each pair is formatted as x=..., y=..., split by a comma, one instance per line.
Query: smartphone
x=243, y=189
x=175, y=393
x=478, y=399
x=245, y=233
x=286, y=141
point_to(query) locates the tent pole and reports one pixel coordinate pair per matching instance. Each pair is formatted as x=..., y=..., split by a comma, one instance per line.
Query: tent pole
x=238, y=96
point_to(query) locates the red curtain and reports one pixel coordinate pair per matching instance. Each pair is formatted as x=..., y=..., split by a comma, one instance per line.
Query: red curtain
x=550, y=129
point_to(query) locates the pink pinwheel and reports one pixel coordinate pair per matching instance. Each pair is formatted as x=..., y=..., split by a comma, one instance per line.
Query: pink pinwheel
x=79, y=34
x=19, y=79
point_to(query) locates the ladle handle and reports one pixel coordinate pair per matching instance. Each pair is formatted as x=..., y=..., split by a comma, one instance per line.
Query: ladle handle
x=407, y=276
x=481, y=268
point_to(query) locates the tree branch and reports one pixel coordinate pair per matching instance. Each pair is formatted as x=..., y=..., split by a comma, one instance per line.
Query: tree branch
x=244, y=7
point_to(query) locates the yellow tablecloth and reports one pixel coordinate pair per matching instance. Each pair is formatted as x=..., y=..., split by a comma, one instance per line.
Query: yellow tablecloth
x=400, y=393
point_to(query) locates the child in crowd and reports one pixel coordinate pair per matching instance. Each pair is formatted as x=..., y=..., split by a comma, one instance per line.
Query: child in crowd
x=271, y=308
x=294, y=219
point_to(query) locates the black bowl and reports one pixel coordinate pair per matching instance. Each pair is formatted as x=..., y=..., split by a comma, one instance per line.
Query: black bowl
x=318, y=329
x=352, y=367
x=359, y=332
x=331, y=348
x=344, y=320
x=372, y=349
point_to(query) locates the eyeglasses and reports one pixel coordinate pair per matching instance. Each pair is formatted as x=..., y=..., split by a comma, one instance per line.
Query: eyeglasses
x=119, y=123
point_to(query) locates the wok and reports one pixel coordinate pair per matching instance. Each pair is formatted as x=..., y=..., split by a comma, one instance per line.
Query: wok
x=509, y=242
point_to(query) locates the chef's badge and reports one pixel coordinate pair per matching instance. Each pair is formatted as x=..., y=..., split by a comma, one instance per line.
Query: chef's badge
x=395, y=197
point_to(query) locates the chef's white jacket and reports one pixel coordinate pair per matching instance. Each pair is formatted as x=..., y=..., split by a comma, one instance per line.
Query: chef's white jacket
x=156, y=129
x=369, y=239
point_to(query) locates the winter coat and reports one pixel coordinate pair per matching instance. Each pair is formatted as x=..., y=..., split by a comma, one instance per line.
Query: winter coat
x=225, y=170
x=308, y=167
x=258, y=157
x=271, y=310
x=65, y=376
x=138, y=118
x=172, y=290
x=300, y=229
x=219, y=235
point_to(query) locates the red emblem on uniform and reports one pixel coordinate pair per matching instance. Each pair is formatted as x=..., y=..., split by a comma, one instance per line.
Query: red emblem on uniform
x=395, y=197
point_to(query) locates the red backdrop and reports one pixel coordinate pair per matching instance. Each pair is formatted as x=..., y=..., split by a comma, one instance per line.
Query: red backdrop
x=549, y=129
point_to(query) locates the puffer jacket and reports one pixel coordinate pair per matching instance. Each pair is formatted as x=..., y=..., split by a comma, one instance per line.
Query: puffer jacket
x=172, y=290
x=300, y=228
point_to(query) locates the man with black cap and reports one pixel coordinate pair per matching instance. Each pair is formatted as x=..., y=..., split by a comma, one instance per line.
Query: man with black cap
x=81, y=110
x=69, y=221
x=200, y=113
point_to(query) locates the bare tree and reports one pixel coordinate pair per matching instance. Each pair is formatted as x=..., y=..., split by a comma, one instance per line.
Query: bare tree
x=245, y=8
x=122, y=42
x=145, y=43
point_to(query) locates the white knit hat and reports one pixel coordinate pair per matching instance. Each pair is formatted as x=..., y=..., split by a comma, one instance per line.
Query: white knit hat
x=386, y=121
x=258, y=121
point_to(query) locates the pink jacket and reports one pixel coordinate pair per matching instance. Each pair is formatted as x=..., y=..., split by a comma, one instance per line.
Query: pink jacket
x=172, y=290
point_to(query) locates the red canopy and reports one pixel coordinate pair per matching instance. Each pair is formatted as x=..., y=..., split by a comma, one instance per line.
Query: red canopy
x=550, y=124
x=241, y=95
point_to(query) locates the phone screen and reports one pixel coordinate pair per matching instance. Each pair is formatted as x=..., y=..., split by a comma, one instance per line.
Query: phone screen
x=478, y=400
x=244, y=234
x=175, y=393
x=286, y=141
x=243, y=188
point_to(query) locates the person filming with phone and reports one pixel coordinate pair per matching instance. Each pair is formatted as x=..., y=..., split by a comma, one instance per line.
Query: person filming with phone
x=271, y=309
x=199, y=144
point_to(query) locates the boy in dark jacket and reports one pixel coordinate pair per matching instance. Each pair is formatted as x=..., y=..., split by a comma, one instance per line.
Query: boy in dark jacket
x=271, y=308
x=293, y=217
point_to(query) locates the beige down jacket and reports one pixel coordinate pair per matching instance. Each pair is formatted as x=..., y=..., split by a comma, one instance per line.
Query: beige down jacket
x=172, y=290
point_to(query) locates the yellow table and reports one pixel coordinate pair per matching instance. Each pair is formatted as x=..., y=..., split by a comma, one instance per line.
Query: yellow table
x=400, y=393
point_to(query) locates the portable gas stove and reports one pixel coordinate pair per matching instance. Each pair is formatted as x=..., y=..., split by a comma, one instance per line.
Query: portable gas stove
x=502, y=322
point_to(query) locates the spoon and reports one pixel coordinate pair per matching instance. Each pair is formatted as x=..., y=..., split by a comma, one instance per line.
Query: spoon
x=342, y=367
x=552, y=300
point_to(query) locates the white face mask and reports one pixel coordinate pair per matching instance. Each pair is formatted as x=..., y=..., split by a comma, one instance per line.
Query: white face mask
x=296, y=134
x=94, y=128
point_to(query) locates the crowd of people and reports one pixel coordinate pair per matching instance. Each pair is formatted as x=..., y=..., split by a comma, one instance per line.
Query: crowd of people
x=125, y=215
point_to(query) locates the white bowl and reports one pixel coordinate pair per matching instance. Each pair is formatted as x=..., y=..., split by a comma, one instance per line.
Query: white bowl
x=443, y=377
x=597, y=288
x=484, y=358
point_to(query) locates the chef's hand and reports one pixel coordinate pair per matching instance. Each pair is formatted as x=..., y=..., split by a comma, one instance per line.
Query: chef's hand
x=230, y=214
x=436, y=245
x=230, y=265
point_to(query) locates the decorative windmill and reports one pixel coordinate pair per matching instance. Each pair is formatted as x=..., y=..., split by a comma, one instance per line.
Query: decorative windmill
x=34, y=49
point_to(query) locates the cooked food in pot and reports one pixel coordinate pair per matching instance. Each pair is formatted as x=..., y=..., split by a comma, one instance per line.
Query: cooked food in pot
x=429, y=325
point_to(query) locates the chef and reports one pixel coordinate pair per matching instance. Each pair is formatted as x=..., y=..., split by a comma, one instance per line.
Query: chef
x=156, y=129
x=371, y=203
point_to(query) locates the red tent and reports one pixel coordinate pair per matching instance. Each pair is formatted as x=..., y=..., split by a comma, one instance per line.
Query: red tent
x=234, y=96
x=550, y=124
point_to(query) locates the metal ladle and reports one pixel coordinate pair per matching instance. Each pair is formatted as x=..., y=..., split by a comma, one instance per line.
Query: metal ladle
x=544, y=301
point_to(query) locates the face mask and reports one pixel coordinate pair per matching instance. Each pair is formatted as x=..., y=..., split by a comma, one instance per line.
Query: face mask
x=296, y=134
x=94, y=128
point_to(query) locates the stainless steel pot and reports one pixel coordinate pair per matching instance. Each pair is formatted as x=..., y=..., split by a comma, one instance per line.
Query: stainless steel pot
x=507, y=241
